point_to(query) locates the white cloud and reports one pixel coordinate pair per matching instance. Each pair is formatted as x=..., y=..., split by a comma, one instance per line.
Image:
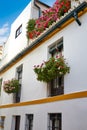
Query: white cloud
x=4, y=32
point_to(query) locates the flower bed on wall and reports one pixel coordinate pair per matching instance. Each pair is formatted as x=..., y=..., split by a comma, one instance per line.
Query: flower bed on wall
x=36, y=26
x=11, y=86
x=54, y=67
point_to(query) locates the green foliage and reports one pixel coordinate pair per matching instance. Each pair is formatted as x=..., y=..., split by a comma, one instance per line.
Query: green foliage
x=11, y=86
x=30, y=26
x=51, y=69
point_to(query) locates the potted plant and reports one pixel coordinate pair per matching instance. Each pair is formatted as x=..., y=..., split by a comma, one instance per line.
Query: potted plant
x=51, y=69
x=11, y=86
x=30, y=27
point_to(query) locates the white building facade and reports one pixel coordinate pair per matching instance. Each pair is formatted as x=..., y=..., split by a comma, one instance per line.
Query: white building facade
x=36, y=107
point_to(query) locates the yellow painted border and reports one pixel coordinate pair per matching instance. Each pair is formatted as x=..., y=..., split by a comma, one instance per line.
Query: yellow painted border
x=46, y=38
x=70, y=96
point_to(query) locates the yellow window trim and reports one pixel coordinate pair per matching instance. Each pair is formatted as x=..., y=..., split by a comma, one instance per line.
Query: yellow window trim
x=65, y=97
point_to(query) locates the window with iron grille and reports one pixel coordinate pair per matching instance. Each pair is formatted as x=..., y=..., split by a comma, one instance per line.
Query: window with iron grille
x=0, y=85
x=19, y=71
x=29, y=122
x=18, y=31
x=55, y=121
x=56, y=86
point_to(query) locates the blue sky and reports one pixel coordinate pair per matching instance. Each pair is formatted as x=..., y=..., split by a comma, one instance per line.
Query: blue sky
x=9, y=10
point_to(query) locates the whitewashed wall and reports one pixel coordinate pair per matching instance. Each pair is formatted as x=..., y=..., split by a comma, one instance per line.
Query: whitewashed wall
x=75, y=52
x=74, y=114
x=75, y=47
x=19, y=43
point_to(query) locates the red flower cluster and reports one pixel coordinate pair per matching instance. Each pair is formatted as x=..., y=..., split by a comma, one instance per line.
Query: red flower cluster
x=49, y=16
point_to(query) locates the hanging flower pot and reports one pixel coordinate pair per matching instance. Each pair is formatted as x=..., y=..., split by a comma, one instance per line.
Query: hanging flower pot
x=11, y=86
x=51, y=69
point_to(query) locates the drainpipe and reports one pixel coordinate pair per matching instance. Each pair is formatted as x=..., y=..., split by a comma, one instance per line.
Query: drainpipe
x=38, y=8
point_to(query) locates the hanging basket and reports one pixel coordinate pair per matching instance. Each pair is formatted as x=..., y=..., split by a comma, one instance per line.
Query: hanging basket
x=51, y=69
x=11, y=86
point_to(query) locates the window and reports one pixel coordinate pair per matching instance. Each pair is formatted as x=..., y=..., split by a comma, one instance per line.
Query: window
x=18, y=31
x=19, y=77
x=56, y=86
x=29, y=122
x=15, y=123
x=0, y=85
x=2, y=120
x=55, y=121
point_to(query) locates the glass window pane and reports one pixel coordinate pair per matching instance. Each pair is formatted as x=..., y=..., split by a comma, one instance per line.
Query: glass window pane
x=55, y=121
x=29, y=122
